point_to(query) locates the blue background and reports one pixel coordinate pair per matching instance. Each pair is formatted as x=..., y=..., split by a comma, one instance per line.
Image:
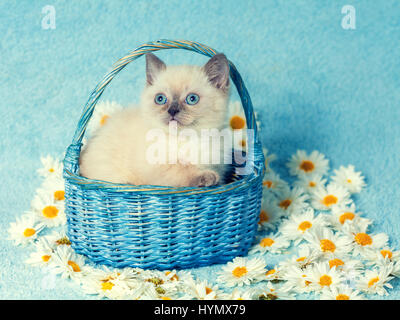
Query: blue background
x=314, y=85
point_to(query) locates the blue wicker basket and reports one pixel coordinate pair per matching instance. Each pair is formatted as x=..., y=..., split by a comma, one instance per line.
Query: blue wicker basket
x=160, y=227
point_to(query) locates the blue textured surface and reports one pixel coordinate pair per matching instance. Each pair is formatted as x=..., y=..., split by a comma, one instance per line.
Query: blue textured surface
x=314, y=84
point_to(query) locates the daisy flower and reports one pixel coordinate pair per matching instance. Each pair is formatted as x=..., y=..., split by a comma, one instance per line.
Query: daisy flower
x=25, y=230
x=42, y=255
x=52, y=168
x=329, y=197
x=348, y=178
x=53, y=187
x=297, y=225
x=302, y=163
x=321, y=276
x=304, y=257
x=103, y=111
x=237, y=118
x=382, y=256
x=271, y=243
x=273, y=292
x=376, y=281
x=310, y=182
x=342, y=215
x=296, y=279
x=67, y=263
x=268, y=159
x=350, y=269
x=48, y=210
x=270, y=214
x=200, y=290
x=341, y=292
x=237, y=294
x=363, y=241
x=273, y=182
x=242, y=271
x=292, y=200
x=328, y=243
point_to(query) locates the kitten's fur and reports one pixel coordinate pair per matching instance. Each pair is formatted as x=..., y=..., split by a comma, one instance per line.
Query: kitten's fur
x=117, y=151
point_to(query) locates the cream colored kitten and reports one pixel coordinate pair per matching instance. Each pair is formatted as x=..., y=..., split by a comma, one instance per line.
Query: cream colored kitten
x=187, y=97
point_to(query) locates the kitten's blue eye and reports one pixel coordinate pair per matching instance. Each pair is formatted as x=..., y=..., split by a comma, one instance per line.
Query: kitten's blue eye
x=160, y=99
x=192, y=98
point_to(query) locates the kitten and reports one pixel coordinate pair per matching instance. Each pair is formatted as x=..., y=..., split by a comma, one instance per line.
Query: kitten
x=189, y=97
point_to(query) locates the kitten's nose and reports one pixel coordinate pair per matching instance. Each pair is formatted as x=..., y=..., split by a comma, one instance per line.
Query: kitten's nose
x=173, y=109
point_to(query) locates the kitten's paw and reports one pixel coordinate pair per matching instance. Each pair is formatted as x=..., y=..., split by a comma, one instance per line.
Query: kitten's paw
x=207, y=178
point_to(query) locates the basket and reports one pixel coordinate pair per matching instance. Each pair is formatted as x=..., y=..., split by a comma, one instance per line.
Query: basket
x=157, y=227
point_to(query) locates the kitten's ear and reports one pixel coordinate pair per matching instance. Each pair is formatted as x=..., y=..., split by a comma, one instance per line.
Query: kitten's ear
x=153, y=66
x=217, y=71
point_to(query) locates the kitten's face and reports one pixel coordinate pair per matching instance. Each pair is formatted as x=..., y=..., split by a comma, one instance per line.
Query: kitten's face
x=190, y=95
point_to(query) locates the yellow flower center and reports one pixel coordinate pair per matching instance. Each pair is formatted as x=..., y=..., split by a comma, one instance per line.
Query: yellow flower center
x=59, y=195
x=239, y=271
x=51, y=170
x=50, y=212
x=342, y=297
x=269, y=272
x=29, y=232
x=346, y=216
x=301, y=259
x=266, y=242
x=312, y=184
x=74, y=266
x=237, y=122
x=104, y=119
x=325, y=280
x=307, y=165
x=372, y=282
x=335, y=263
x=263, y=216
x=349, y=181
x=329, y=200
x=268, y=183
x=208, y=290
x=363, y=239
x=46, y=258
x=305, y=225
x=107, y=285
x=327, y=245
x=386, y=253
x=285, y=203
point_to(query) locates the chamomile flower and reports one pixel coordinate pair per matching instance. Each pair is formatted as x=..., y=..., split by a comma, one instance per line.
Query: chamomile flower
x=270, y=243
x=298, y=224
x=67, y=263
x=292, y=201
x=304, y=257
x=350, y=268
x=237, y=118
x=382, y=256
x=348, y=178
x=326, y=242
x=113, y=284
x=200, y=290
x=329, y=197
x=273, y=182
x=321, y=276
x=343, y=215
x=53, y=187
x=341, y=292
x=273, y=292
x=103, y=111
x=364, y=241
x=242, y=271
x=48, y=210
x=296, y=279
x=302, y=163
x=310, y=182
x=25, y=230
x=51, y=168
x=270, y=214
x=269, y=158
x=376, y=281
x=42, y=256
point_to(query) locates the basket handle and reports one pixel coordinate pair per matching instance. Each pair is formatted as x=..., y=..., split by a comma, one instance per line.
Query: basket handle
x=155, y=46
